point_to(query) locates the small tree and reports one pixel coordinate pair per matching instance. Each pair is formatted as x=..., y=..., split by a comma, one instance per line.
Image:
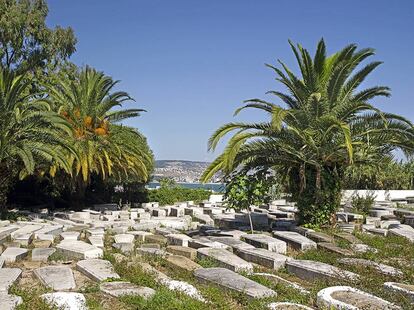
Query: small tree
x=244, y=190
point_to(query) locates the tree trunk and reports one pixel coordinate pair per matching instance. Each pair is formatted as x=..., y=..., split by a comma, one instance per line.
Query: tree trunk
x=251, y=222
x=320, y=198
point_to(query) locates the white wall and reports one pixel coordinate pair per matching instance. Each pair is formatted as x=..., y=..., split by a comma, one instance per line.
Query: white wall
x=381, y=195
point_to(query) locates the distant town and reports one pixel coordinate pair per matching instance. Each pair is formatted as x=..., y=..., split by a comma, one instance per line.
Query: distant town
x=181, y=170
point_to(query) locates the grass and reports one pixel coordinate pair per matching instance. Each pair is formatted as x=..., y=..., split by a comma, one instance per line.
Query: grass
x=31, y=298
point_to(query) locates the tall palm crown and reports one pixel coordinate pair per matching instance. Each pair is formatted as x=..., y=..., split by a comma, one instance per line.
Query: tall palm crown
x=327, y=123
x=102, y=146
x=30, y=133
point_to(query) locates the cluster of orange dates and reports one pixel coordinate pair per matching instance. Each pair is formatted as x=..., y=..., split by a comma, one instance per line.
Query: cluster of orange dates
x=81, y=128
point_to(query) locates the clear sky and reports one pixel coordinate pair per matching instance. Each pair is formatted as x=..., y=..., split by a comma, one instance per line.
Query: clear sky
x=190, y=63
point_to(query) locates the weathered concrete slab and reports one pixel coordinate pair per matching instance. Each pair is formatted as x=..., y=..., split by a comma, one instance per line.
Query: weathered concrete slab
x=42, y=254
x=58, y=278
x=182, y=262
x=70, y=235
x=347, y=237
x=124, y=238
x=311, y=270
x=400, y=288
x=182, y=251
x=156, y=239
x=225, y=259
x=13, y=254
x=277, y=279
x=151, y=252
x=139, y=235
x=295, y=240
x=346, y=297
x=24, y=240
x=381, y=268
x=266, y=242
x=230, y=280
x=334, y=249
x=9, y=302
x=7, y=277
x=408, y=234
x=66, y=300
x=53, y=230
x=28, y=229
x=97, y=269
x=96, y=240
x=263, y=257
x=118, y=289
x=78, y=249
x=125, y=248
x=7, y=231
x=178, y=239
x=287, y=306
x=203, y=242
x=319, y=236
x=233, y=243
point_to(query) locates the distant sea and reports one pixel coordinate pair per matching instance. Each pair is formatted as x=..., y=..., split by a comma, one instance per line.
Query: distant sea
x=215, y=187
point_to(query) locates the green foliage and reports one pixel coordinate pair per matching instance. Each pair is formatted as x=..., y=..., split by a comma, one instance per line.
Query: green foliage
x=326, y=124
x=362, y=204
x=167, y=195
x=244, y=190
x=26, y=43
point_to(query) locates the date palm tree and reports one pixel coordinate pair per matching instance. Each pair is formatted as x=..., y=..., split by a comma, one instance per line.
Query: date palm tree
x=103, y=146
x=325, y=123
x=30, y=133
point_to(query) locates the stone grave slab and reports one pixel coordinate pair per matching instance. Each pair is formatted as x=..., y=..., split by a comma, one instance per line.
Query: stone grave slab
x=319, y=236
x=287, y=306
x=408, y=234
x=263, y=257
x=42, y=254
x=225, y=259
x=334, y=249
x=311, y=270
x=182, y=251
x=400, y=288
x=346, y=297
x=7, y=277
x=124, y=238
x=28, y=229
x=203, y=242
x=156, y=239
x=9, y=302
x=139, y=235
x=233, y=243
x=295, y=240
x=266, y=242
x=70, y=235
x=178, y=239
x=182, y=262
x=78, y=249
x=66, y=300
x=58, y=278
x=96, y=240
x=381, y=268
x=277, y=279
x=124, y=247
x=13, y=254
x=230, y=280
x=118, y=289
x=97, y=269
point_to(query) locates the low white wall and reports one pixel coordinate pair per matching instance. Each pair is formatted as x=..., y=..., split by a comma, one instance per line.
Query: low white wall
x=380, y=195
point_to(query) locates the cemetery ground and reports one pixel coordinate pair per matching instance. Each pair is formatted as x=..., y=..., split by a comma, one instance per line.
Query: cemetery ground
x=142, y=258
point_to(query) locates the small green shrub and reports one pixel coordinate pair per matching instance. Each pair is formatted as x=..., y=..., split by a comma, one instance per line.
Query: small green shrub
x=362, y=204
x=170, y=195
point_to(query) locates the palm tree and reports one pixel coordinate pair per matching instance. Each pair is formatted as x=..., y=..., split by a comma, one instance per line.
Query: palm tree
x=327, y=123
x=103, y=147
x=30, y=133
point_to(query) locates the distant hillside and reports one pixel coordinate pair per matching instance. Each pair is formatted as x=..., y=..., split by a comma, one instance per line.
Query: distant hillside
x=179, y=170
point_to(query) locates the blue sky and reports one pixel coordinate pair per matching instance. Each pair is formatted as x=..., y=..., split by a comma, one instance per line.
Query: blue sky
x=192, y=63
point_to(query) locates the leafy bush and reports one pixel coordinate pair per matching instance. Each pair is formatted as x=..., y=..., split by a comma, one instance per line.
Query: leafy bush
x=170, y=195
x=362, y=204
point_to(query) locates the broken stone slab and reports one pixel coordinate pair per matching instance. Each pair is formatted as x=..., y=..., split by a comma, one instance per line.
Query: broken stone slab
x=346, y=297
x=225, y=259
x=182, y=262
x=334, y=249
x=139, y=235
x=42, y=243
x=295, y=240
x=66, y=300
x=363, y=248
x=13, y=254
x=266, y=242
x=319, y=236
x=58, y=278
x=28, y=229
x=156, y=239
x=408, y=234
x=97, y=269
x=70, y=235
x=151, y=252
x=277, y=279
x=233, y=243
x=53, y=230
x=9, y=302
x=42, y=254
x=377, y=231
x=182, y=251
x=24, y=240
x=381, y=268
x=78, y=249
x=7, y=277
x=118, y=289
x=183, y=287
x=228, y=279
x=287, y=306
x=203, y=242
x=125, y=248
x=178, y=239
x=96, y=240
x=311, y=270
x=124, y=238
x=400, y=288
x=348, y=237
x=5, y=232
x=263, y=257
